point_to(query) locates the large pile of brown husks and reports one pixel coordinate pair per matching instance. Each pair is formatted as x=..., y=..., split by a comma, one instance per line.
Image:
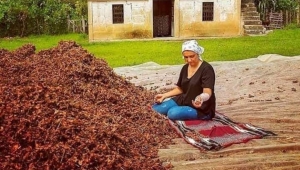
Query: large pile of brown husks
x=64, y=109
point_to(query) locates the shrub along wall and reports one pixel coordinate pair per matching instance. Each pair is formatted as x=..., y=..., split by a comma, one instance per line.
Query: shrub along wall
x=26, y=17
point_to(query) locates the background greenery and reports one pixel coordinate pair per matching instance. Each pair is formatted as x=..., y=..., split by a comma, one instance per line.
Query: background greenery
x=35, y=17
x=285, y=42
x=288, y=8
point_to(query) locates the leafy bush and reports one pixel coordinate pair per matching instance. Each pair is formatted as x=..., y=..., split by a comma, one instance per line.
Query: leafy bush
x=25, y=17
x=292, y=26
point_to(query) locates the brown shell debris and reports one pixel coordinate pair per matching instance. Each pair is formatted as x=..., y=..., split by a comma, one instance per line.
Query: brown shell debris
x=62, y=108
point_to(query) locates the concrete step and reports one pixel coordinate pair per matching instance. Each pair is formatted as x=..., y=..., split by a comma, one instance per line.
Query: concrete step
x=243, y=6
x=252, y=22
x=250, y=13
x=250, y=9
x=255, y=32
x=251, y=17
x=253, y=27
x=247, y=1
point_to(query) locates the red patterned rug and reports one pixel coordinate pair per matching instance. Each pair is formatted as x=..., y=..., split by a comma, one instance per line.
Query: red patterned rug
x=218, y=133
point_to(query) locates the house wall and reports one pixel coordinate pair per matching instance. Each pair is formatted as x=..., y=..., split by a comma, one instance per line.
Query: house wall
x=137, y=20
x=227, y=18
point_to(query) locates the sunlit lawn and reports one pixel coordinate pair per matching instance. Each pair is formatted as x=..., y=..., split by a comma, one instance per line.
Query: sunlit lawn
x=124, y=53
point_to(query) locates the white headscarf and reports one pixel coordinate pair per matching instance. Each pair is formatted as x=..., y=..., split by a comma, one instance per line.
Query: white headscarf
x=192, y=45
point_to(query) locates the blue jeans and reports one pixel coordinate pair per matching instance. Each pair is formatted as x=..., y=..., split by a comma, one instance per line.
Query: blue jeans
x=175, y=112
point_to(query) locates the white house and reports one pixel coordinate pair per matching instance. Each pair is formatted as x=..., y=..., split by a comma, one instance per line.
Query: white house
x=130, y=19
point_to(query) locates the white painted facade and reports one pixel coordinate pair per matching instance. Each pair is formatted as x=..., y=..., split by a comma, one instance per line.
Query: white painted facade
x=186, y=21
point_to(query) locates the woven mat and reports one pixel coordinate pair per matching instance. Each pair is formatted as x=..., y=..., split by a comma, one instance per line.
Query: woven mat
x=218, y=133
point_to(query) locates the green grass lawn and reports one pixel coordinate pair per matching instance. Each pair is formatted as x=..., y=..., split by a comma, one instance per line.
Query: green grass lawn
x=127, y=53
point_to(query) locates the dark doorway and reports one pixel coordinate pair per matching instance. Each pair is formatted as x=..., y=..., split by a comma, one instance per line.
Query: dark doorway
x=162, y=18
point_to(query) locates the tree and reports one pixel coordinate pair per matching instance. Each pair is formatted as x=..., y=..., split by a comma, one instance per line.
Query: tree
x=264, y=7
x=25, y=17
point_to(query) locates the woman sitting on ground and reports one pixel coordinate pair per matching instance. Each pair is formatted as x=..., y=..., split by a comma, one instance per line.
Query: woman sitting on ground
x=193, y=97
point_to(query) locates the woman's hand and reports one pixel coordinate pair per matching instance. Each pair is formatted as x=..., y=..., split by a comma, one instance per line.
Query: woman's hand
x=203, y=97
x=197, y=103
x=159, y=98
